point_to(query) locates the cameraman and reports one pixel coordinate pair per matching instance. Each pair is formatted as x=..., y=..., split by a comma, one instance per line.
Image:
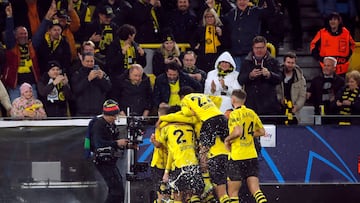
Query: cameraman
x=104, y=134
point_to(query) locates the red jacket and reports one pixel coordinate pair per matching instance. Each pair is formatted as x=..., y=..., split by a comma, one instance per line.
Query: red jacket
x=10, y=73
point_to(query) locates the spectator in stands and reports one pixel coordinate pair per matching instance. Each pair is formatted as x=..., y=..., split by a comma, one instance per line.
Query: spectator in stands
x=323, y=89
x=189, y=67
x=122, y=10
x=345, y=8
x=124, y=51
x=22, y=63
x=26, y=106
x=221, y=7
x=134, y=92
x=260, y=74
x=51, y=45
x=348, y=99
x=182, y=21
x=85, y=15
x=333, y=40
x=29, y=13
x=237, y=23
x=273, y=25
x=4, y=100
x=90, y=86
x=70, y=23
x=168, y=52
x=168, y=84
x=208, y=41
x=148, y=21
x=86, y=47
x=54, y=90
x=102, y=31
x=223, y=80
x=292, y=90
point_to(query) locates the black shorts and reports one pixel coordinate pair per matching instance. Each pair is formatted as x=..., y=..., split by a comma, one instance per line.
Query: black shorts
x=215, y=126
x=242, y=169
x=188, y=178
x=156, y=177
x=217, y=169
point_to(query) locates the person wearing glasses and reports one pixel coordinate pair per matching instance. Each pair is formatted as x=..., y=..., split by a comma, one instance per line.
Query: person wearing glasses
x=260, y=74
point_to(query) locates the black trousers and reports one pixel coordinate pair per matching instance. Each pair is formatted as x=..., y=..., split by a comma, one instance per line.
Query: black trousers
x=113, y=179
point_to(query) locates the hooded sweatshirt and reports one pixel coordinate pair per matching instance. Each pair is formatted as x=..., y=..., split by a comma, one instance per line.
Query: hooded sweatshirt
x=230, y=80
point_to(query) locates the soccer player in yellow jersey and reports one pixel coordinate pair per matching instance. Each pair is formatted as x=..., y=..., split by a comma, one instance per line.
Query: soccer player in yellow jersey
x=182, y=169
x=213, y=153
x=159, y=158
x=244, y=124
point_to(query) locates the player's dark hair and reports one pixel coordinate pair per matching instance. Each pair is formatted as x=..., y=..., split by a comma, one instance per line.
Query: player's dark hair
x=173, y=109
x=185, y=91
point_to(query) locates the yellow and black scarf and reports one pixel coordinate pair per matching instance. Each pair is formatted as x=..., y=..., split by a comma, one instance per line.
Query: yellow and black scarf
x=222, y=73
x=25, y=63
x=211, y=40
x=350, y=95
x=130, y=55
x=52, y=44
x=107, y=37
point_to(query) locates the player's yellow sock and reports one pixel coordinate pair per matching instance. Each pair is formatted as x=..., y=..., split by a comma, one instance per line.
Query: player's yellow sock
x=175, y=201
x=260, y=197
x=224, y=199
x=208, y=185
x=234, y=199
x=194, y=199
x=209, y=198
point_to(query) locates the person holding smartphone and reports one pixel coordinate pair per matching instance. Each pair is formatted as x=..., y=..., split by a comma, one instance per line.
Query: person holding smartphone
x=90, y=85
x=260, y=74
x=54, y=90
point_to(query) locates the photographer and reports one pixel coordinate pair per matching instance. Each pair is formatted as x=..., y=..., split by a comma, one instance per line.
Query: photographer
x=105, y=141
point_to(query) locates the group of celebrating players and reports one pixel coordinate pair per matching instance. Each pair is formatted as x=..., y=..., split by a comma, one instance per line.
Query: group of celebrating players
x=202, y=156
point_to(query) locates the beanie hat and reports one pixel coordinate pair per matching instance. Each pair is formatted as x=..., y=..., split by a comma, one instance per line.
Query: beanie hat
x=52, y=64
x=25, y=86
x=111, y=108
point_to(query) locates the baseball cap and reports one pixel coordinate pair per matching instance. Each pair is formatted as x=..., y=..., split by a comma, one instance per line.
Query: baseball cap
x=107, y=10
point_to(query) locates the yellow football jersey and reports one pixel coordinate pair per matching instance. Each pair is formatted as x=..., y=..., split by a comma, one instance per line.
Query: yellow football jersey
x=180, y=142
x=243, y=147
x=159, y=154
x=201, y=105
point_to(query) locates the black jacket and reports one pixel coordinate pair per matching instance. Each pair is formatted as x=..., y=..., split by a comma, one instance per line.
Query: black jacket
x=137, y=97
x=316, y=90
x=89, y=95
x=58, y=106
x=261, y=91
x=62, y=54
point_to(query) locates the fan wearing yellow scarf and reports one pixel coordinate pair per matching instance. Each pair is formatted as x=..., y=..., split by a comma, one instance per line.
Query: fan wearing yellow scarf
x=51, y=45
x=208, y=39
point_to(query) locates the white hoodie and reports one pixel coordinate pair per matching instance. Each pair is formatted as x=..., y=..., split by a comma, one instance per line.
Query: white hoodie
x=230, y=81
